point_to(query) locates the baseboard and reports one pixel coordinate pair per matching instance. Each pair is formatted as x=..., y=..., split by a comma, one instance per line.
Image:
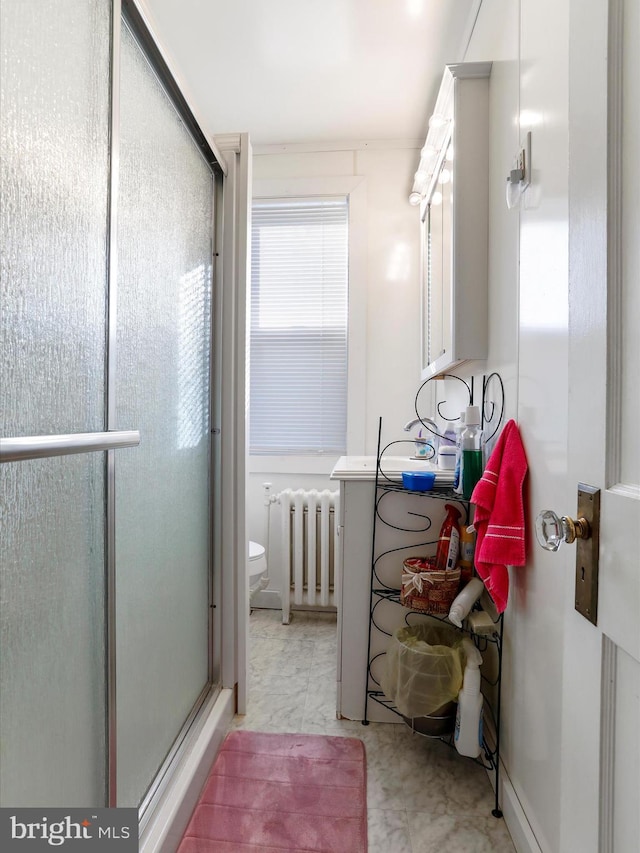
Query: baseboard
x=164, y=831
x=269, y=599
x=514, y=816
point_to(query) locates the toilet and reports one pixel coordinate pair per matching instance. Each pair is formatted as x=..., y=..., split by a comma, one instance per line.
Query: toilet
x=257, y=566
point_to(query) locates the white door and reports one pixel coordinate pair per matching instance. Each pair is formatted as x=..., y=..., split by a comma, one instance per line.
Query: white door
x=601, y=682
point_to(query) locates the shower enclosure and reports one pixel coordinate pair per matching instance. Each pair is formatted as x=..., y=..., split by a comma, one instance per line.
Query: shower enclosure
x=106, y=486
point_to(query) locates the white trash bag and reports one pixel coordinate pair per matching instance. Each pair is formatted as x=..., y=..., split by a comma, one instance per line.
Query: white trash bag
x=424, y=668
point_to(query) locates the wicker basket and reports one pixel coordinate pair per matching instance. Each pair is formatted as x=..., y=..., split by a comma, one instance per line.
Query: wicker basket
x=427, y=589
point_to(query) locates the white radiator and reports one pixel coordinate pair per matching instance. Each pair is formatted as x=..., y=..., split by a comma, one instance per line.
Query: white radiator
x=309, y=548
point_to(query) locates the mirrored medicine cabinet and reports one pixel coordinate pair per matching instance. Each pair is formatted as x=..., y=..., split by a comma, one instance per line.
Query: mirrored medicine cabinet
x=452, y=184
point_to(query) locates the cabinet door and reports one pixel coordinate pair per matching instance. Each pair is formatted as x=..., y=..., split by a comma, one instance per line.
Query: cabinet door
x=437, y=227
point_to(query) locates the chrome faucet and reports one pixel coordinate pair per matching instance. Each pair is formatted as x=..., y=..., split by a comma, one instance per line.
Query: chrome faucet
x=410, y=425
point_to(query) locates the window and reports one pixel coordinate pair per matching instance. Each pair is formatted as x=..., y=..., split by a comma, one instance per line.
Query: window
x=298, y=338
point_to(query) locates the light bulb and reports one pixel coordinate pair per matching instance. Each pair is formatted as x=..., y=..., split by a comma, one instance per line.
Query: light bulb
x=428, y=151
x=436, y=198
x=514, y=194
x=438, y=121
x=415, y=198
x=420, y=177
x=444, y=177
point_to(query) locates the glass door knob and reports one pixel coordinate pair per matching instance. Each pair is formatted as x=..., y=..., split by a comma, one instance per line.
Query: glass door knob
x=552, y=531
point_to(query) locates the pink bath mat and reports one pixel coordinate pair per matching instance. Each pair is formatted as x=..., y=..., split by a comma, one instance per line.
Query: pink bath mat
x=272, y=793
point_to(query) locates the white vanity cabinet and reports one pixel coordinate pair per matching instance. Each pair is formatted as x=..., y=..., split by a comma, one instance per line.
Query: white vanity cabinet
x=355, y=531
x=452, y=187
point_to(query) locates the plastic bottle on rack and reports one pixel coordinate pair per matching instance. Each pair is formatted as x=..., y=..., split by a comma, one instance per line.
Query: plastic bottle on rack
x=449, y=435
x=464, y=601
x=468, y=731
x=472, y=462
x=467, y=552
x=449, y=540
x=457, y=477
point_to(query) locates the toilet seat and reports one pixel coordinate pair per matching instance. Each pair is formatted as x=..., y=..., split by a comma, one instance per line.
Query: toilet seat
x=255, y=550
x=257, y=561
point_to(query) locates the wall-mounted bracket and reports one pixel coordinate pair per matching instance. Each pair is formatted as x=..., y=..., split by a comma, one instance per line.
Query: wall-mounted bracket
x=524, y=162
x=519, y=177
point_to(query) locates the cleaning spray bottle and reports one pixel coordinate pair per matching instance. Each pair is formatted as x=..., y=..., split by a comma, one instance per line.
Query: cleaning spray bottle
x=449, y=540
x=468, y=732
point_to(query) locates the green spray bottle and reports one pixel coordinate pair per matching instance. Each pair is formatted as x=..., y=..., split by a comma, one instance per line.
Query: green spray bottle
x=472, y=456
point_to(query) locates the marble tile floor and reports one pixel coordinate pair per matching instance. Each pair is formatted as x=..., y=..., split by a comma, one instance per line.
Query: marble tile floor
x=421, y=795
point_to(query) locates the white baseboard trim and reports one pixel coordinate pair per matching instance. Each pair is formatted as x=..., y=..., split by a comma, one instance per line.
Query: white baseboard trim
x=267, y=599
x=270, y=599
x=164, y=831
x=514, y=816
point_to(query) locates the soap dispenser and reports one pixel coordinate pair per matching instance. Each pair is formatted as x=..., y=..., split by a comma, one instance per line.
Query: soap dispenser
x=468, y=732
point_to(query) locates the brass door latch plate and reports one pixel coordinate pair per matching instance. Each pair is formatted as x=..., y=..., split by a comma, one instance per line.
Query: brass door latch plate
x=587, y=553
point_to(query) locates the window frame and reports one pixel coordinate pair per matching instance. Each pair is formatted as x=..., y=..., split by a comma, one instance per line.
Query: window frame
x=354, y=189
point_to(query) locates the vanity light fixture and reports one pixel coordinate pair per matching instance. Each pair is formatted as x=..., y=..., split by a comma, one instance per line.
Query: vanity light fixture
x=436, y=198
x=435, y=147
x=431, y=156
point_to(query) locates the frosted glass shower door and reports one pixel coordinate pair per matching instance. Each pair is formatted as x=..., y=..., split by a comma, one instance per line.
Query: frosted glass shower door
x=54, y=170
x=165, y=230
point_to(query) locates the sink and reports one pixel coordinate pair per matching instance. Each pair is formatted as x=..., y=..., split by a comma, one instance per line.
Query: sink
x=356, y=462
x=404, y=463
x=364, y=468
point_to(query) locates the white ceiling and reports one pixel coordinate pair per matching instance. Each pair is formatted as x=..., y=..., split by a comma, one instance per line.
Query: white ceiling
x=300, y=71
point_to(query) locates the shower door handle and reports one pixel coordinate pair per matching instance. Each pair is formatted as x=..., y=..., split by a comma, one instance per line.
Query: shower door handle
x=41, y=446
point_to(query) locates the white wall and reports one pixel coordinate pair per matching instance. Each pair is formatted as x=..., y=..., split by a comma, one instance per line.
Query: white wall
x=388, y=305
x=528, y=346
x=536, y=746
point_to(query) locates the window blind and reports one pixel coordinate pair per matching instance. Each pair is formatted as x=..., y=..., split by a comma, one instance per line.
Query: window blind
x=298, y=334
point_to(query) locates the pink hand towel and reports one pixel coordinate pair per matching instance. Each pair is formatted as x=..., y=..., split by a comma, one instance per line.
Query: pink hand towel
x=499, y=515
